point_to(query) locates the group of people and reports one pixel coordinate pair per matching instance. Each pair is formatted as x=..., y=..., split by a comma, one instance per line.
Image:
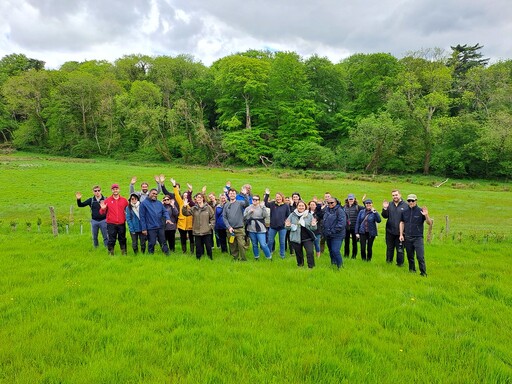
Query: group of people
x=235, y=219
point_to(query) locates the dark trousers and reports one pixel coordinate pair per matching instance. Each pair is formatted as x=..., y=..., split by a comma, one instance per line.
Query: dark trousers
x=309, y=246
x=116, y=232
x=184, y=234
x=351, y=233
x=136, y=238
x=392, y=243
x=366, y=246
x=222, y=240
x=202, y=242
x=170, y=237
x=153, y=236
x=415, y=245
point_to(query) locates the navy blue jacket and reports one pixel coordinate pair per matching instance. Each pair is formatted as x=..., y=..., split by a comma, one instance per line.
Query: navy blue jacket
x=152, y=214
x=413, y=221
x=371, y=219
x=334, y=221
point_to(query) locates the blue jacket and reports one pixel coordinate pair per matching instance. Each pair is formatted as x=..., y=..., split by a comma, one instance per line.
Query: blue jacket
x=133, y=221
x=334, y=221
x=371, y=218
x=219, y=222
x=152, y=214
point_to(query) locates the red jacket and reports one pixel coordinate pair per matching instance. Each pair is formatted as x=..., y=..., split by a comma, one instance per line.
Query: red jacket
x=115, y=210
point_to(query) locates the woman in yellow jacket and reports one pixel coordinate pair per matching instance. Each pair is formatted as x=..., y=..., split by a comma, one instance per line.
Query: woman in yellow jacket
x=184, y=222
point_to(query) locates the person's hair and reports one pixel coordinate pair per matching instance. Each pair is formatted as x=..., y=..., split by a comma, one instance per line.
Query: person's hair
x=296, y=194
x=232, y=189
x=134, y=194
x=96, y=186
x=141, y=184
x=303, y=202
x=168, y=197
x=200, y=194
x=256, y=196
x=281, y=194
x=395, y=190
x=154, y=189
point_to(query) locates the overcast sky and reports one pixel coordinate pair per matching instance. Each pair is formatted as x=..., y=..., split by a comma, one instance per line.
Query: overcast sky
x=57, y=31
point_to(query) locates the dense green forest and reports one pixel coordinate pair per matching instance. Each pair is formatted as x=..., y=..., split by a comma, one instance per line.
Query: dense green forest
x=445, y=113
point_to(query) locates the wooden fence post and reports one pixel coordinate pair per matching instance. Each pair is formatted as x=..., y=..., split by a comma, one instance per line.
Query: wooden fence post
x=429, y=232
x=447, y=225
x=55, y=229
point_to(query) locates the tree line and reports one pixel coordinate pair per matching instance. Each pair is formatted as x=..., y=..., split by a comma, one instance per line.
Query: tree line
x=432, y=112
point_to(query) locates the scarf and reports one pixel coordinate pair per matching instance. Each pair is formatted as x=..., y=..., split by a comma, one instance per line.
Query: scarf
x=302, y=216
x=135, y=208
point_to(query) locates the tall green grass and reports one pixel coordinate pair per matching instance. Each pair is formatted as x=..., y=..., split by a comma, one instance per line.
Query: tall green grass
x=71, y=314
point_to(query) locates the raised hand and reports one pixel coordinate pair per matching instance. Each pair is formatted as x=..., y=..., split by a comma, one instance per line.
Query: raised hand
x=78, y=195
x=133, y=180
x=173, y=182
x=157, y=178
x=267, y=191
x=162, y=179
x=424, y=211
x=203, y=190
x=189, y=187
x=385, y=204
x=243, y=190
x=103, y=205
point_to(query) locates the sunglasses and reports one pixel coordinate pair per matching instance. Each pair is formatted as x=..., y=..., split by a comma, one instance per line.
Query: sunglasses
x=331, y=202
x=255, y=199
x=368, y=203
x=97, y=190
x=411, y=201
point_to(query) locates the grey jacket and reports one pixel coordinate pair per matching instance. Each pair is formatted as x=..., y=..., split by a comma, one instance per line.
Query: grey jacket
x=255, y=218
x=233, y=213
x=295, y=228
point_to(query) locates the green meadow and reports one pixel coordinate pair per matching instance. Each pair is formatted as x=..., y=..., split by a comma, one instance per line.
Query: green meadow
x=69, y=313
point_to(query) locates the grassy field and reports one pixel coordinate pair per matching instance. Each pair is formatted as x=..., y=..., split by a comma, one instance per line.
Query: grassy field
x=71, y=314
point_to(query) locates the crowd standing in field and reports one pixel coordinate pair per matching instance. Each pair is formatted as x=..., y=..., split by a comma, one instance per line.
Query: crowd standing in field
x=231, y=221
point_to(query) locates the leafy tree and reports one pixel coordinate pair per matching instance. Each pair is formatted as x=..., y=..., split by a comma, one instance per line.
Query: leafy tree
x=369, y=80
x=16, y=63
x=423, y=91
x=376, y=138
x=241, y=82
x=26, y=95
x=130, y=68
x=328, y=90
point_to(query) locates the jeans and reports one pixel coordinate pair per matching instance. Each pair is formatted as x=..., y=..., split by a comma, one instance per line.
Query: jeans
x=318, y=236
x=282, y=240
x=97, y=226
x=334, y=245
x=153, y=236
x=415, y=245
x=259, y=237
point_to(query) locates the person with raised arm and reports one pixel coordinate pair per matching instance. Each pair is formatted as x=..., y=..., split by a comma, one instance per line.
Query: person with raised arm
x=98, y=220
x=233, y=216
x=114, y=208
